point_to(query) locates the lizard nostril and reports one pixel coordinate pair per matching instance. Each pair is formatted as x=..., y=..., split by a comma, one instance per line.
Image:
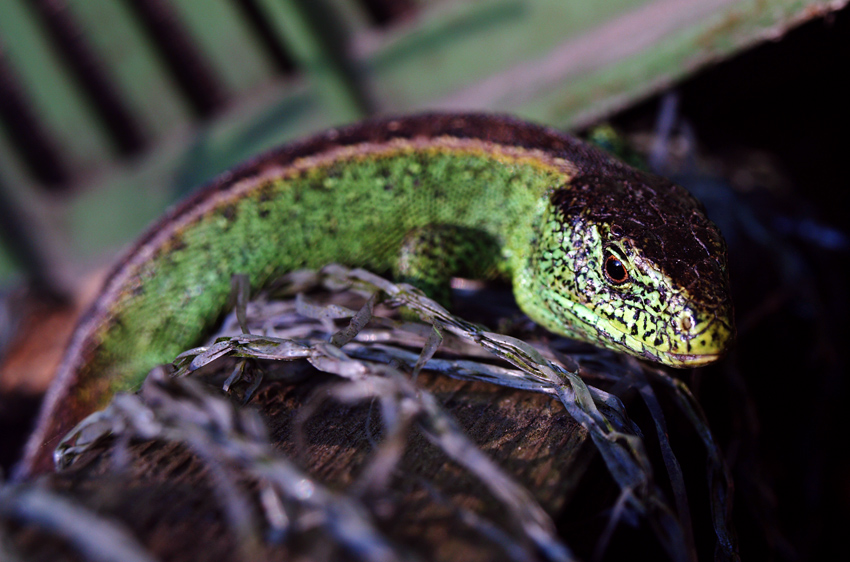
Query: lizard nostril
x=685, y=321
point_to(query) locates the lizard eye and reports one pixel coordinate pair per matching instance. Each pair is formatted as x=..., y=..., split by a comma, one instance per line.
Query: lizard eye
x=615, y=271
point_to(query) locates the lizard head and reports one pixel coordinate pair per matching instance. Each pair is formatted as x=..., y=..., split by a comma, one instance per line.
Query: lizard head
x=631, y=263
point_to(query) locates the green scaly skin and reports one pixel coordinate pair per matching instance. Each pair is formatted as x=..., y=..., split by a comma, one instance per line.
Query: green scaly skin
x=545, y=210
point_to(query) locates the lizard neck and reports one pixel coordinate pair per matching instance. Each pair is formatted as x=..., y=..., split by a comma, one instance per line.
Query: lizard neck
x=532, y=253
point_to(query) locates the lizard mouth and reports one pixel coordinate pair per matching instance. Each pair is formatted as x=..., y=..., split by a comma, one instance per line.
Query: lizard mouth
x=699, y=356
x=716, y=337
x=684, y=360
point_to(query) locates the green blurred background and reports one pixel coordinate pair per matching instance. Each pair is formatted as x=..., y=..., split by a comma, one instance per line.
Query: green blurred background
x=112, y=109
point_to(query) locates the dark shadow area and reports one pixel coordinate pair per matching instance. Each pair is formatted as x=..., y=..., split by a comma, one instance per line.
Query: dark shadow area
x=17, y=413
x=769, y=129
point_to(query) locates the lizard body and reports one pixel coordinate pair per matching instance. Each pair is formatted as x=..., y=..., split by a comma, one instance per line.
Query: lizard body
x=595, y=249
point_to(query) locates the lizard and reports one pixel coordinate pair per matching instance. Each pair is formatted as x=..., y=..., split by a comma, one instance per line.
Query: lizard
x=594, y=249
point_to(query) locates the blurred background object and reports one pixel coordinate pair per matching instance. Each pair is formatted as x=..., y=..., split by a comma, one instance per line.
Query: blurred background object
x=109, y=110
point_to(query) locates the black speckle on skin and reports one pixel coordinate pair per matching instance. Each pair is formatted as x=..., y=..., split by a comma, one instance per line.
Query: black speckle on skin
x=229, y=213
x=265, y=193
x=177, y=243
x=334, y=170
x=116, y=322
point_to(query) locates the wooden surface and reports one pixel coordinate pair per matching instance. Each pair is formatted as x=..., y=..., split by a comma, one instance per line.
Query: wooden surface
x=165, y=495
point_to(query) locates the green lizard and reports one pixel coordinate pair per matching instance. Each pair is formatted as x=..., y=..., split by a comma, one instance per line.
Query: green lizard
x=595, y=249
